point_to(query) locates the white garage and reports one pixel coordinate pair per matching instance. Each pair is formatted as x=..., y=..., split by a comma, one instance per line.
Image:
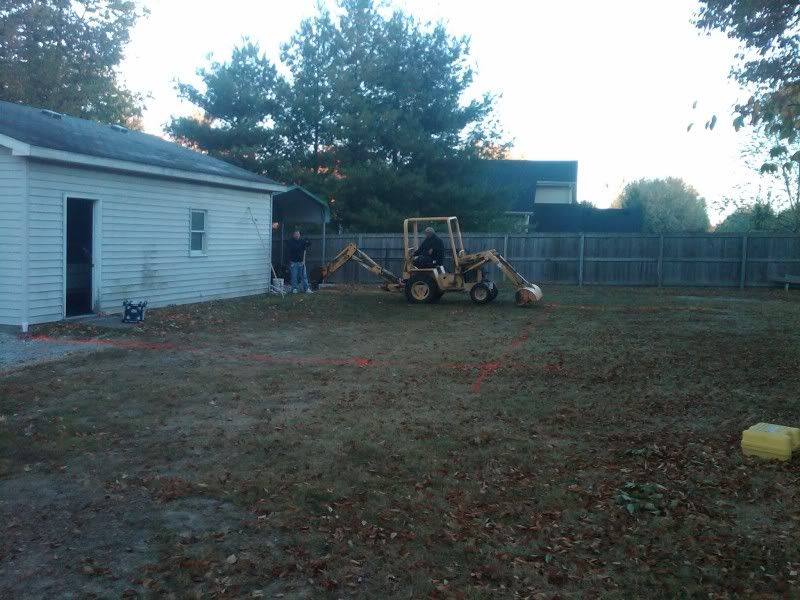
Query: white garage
x=91, y=214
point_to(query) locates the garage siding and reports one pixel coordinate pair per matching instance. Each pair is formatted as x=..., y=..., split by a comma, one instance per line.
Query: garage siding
x=12, y=203
x=144, y=239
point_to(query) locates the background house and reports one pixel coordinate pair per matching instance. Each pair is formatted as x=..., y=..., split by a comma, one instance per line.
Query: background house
x=93, y=214
x=532, y=182
x=545, y=197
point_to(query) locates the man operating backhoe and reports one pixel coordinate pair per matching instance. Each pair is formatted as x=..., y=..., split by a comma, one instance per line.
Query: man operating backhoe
x=430, y=252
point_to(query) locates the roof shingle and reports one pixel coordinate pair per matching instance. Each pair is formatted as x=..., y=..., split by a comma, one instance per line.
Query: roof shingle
x=42, y=129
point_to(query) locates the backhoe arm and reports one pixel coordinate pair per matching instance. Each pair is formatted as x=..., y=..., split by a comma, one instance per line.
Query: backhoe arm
x=527, y=292
x=351, y=252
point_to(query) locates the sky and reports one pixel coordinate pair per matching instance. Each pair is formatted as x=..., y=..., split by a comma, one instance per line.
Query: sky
x=609, y=84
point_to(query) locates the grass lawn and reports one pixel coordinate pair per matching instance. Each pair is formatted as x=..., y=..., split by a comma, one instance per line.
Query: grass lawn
x=347, y=444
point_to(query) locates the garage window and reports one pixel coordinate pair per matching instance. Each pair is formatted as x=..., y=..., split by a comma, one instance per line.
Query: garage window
x=197, y=236
x=553, y=194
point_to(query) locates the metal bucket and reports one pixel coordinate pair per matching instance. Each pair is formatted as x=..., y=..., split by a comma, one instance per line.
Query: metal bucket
x=528, y=295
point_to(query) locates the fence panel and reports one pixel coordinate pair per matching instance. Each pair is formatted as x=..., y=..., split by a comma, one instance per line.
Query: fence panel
x=702, y=260
x=599, y=259
x=547, y=257
x=771, y=256
x=621, y=259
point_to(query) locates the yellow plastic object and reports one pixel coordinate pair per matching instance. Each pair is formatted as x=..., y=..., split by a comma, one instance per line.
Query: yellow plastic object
x=770, y=441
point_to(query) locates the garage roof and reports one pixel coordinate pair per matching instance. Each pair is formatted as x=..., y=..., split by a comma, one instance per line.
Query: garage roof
x=43, y=129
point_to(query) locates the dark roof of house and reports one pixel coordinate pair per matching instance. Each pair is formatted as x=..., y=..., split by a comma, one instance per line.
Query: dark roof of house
x=54, y=131
x=520, y=177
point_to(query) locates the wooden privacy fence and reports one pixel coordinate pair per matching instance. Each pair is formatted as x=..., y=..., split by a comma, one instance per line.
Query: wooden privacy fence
x=732, y=260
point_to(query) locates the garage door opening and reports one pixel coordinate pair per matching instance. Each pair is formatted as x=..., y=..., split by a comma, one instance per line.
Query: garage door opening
x=80, y=263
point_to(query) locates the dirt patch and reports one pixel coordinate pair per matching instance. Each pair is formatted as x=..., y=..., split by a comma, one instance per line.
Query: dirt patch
x=69, y=538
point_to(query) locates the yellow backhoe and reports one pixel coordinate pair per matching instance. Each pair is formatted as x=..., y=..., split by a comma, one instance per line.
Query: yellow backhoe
x=425, y=285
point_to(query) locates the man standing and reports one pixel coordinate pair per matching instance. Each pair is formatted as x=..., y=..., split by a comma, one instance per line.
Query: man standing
x=297, y=262
x=430, y=252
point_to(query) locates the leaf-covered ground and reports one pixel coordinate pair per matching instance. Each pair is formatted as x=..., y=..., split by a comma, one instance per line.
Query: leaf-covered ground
x=346, y=444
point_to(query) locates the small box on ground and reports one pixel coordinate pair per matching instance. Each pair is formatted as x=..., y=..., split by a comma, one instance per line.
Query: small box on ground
x=770, y=441
x=133, y=310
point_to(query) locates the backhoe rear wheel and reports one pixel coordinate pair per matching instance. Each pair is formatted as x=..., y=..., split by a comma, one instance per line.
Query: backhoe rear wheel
x=421, y=289
x=481, y=293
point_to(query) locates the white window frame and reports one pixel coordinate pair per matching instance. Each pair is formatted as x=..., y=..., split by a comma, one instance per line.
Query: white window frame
x=204, y=231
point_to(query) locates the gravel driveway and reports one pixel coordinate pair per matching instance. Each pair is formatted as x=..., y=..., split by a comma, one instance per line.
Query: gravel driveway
x=16, y=351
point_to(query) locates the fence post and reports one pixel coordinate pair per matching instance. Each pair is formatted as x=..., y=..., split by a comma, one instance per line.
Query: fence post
x=324, y=262
x=283, y=243
x=505, y=253
x=580, y=261
x=661, y=260
x=743, y=272
x=359, y=243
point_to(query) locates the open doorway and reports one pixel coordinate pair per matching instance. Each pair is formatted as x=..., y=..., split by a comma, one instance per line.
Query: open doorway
x=80, y=262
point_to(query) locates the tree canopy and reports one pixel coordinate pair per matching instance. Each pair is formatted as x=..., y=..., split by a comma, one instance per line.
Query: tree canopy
x=63, y=55
x=375, y=114
x=769, y=64
x=667, y=205
x=758, y=217
x=770, y=200
x=240, y=101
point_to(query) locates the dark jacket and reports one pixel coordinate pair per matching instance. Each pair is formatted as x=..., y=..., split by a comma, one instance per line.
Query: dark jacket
x=432, y=247
x=296, y=249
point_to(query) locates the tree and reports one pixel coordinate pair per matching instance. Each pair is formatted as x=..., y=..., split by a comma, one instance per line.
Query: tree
x=667, y=205
x=772, y=202
x=769, y=64
x=63, y=55
x=757, y=217
x=404, y=134
x=240, y=102
x=374, y=115
x=310, y=108
x=784, y=165
x=411, y=81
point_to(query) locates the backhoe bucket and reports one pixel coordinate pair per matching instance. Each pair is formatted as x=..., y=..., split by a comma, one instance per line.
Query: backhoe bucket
x=528, y=295
x=316, y=276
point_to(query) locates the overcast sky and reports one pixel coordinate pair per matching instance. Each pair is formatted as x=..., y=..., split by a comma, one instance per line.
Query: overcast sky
x=609, y=84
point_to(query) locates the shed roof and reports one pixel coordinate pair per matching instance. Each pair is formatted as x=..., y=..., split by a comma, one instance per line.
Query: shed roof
x=53, y=131
x=522, y=176
x=296, y=204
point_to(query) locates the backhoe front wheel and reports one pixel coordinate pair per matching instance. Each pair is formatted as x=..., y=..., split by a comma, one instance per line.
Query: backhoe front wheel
x=421, y=289
x=481, y=293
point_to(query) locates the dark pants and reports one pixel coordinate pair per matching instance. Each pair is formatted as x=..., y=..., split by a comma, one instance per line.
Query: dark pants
x=424, y=262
